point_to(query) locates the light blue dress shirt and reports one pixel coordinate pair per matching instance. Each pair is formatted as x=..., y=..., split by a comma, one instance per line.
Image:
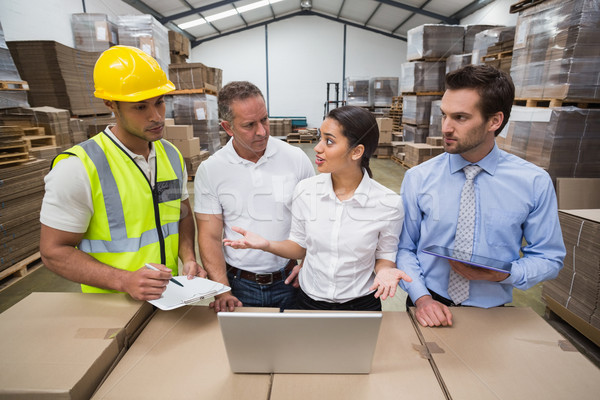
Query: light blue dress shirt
x=515, y=200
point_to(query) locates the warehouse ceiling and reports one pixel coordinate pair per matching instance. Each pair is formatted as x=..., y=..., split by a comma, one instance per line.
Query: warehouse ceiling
x=202, y=20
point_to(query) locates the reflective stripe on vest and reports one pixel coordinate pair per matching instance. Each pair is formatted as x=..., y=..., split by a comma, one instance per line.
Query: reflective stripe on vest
x=120, y=243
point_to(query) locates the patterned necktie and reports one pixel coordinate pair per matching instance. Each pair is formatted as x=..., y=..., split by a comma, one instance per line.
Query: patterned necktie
x=458, y=286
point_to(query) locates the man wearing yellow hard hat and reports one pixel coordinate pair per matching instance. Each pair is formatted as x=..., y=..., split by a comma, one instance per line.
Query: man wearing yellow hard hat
x=119, y=200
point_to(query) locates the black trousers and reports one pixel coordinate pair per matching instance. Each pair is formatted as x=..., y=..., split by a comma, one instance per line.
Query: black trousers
x=365, y=303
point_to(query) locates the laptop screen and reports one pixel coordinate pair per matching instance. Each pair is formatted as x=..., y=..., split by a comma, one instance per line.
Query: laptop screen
x=300, y=342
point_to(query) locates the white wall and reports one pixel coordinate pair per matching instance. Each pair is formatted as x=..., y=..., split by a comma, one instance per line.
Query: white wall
x=496, y=13
x=304, y=54
x=51, y=19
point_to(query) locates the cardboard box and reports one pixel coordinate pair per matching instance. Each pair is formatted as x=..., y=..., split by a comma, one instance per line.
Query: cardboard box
x=507, y=353
x=384, y=124
x=399, y=371
x=179, y=132
x=578, y=193
x=187, y=148
x=61, y=345
x=181, y=354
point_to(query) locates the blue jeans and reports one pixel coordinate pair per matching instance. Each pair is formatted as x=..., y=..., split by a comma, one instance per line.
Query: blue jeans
x=252, y=294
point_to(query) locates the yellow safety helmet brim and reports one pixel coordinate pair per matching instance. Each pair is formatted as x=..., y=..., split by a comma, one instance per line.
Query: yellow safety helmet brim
x=124, y=73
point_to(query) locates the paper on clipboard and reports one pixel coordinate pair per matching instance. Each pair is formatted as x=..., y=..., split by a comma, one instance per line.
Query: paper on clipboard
x=193, y=290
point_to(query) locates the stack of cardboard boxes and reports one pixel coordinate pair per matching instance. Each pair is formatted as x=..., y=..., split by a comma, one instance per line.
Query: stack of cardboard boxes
x=182, y=136
x=179, y=47
x=575, y=294
x=147, y=34
x=94, y=32
x=58, y=76
x=384, y=147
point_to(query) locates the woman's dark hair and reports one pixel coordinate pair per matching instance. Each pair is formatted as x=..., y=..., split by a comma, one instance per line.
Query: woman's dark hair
x=359, y=127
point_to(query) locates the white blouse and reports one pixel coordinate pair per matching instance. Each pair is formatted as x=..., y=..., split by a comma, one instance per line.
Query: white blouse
x=344, y=238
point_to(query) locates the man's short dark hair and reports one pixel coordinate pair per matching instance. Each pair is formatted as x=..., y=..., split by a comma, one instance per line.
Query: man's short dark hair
x=236, y=90
x=496, y=89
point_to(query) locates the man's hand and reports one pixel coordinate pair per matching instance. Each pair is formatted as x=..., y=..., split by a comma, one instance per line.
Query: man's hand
x=146, y=284
x=432, y=313
x=193, y=269
x=225, y=302
x=477, y=274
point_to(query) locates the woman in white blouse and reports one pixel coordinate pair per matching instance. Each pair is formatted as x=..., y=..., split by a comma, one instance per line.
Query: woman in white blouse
x=345, y=225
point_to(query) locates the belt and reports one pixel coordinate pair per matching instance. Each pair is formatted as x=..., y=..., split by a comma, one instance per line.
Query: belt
x=266, y=278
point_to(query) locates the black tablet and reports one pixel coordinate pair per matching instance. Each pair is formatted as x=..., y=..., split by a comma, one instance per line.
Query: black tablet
x=473, y=260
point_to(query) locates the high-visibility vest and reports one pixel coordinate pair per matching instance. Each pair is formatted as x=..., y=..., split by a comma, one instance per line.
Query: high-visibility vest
x=132, y=223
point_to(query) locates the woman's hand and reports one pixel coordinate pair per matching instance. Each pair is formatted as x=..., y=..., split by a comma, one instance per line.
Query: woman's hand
x=250, y=240
x=386, y=282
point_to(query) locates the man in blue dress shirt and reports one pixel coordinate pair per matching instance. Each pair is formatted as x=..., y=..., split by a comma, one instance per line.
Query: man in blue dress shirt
x=515, y=201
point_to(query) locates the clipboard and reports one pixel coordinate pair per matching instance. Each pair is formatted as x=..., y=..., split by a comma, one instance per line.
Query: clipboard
x=193, y=290
x=470, y=259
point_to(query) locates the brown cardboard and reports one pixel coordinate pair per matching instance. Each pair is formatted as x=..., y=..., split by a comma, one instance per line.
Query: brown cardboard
x=399, y=371
x=384, y=124
x=180, y=355
x=578, y=193
x=61, y=345
x=189, y=147
x=179, y=132
x=508, y=353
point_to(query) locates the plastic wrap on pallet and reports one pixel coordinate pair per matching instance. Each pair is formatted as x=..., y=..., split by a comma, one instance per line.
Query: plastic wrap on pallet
x=13, y=98
x=470, y=32
x=381, y=91
x=457, y=61
x=435, y=119
x=415, y=134
x=8, y=69
x=357, y=91
x=565, y=141
x=147, y=34
x=200, y=111
x=434, y=41
x=485, y=39
x=557, y=50
x=416, y=110
x=94, y=32
x=422, y=76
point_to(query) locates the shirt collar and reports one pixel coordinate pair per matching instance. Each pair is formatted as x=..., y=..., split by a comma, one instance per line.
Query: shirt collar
x=234, y=158
x=361, y=194
x=131, y=154
x=487, y=163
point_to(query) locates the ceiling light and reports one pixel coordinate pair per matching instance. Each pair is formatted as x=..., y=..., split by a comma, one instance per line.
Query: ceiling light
x=306, y=4
x=226, y=14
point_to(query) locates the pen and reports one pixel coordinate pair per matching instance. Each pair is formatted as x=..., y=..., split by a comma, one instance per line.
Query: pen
x=172, y=279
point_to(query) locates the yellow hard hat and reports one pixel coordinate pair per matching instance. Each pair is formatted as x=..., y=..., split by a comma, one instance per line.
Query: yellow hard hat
x=125, y=73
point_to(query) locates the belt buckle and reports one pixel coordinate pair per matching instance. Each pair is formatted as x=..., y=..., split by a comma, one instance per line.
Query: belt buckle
x=260, y=277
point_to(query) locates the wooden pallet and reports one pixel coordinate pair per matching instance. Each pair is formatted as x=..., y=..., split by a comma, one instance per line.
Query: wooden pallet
x=400, y=162
x=13, y=154
x=547, y=102
x=497, y=56
x=523, y=5
x=14, y=85
x=193, y=91
x=40, y=140
x=422, y=93
x=20, y=270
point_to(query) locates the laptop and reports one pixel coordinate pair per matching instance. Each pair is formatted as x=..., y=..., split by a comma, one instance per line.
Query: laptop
x=300, y=342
